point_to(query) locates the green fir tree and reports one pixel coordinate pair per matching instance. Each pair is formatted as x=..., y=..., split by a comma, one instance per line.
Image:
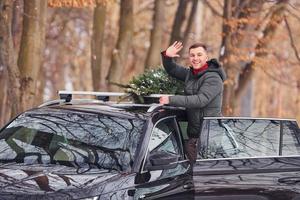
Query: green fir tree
x=155, y=81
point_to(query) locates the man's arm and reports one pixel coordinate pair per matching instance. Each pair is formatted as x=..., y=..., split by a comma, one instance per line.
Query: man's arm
x=172, y=68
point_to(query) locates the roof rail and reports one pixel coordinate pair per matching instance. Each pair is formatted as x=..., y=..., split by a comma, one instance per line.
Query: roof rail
x=53, y=102
x=155, y=107
x=103, y=96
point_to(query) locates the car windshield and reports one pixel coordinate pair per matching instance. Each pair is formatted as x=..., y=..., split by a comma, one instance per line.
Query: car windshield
x=72, y=138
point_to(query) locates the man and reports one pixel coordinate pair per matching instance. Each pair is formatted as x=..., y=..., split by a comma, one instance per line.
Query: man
x=203, y=88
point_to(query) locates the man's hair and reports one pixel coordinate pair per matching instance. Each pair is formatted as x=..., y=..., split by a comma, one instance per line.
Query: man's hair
x=198, y=44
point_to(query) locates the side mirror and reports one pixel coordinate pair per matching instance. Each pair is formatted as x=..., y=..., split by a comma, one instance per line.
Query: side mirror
x=162, y=160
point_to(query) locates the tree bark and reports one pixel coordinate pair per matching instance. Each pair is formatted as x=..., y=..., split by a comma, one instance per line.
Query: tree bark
x=240, y=71
x=156, y=38
x=41, y=84
x=120, y=53
x=29, y=61
x=17, y=23
x=200, y=13
x=97, y=43
x=298, y=99
x=188, y=28
x=3, y=92
x=8, y=57
x=42, y=74
x=226, y=59
x=260, y=50
x=176, y=34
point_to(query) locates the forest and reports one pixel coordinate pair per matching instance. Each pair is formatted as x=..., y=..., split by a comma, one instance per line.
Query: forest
x=88, y=45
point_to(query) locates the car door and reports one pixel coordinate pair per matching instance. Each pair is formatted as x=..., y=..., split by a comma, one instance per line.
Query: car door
x=253, y=159
x=165, y=173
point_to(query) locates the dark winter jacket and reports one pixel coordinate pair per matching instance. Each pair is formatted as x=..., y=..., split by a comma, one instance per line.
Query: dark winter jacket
x=203, y=91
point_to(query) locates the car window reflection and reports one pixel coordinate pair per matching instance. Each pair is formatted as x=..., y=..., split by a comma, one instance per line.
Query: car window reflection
x=243, y=138
x=164, y=138
x=72, y=138
x=290, y=138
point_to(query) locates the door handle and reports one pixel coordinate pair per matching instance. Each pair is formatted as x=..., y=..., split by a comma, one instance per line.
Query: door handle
x=188, y=186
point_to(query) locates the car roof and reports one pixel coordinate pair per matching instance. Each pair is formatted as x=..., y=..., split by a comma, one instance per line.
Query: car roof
x=113, y=108
x=101, y=104
x=128, y=108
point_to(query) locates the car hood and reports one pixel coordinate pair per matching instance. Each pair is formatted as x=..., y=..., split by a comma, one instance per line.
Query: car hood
x=20, y=181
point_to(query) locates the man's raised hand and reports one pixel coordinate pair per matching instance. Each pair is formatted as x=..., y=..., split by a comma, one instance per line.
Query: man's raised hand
x=172, y=51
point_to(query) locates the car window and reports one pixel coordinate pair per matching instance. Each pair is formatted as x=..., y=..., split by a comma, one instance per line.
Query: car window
x=183, y=128
x=71, y=138
x=234, y=138
x=290, y=138
x=165, y=138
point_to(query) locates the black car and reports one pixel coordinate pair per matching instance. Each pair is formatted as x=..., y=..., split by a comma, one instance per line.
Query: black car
x=92, y=149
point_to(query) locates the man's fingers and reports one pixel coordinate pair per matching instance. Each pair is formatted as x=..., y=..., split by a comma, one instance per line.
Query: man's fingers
x=174, y=44
x=179, y=48
x=174, y=49
x=178, y=45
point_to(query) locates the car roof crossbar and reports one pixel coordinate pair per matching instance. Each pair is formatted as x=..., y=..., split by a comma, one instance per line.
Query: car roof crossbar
x=155, y=107
x=66, y=97
x=103, y=96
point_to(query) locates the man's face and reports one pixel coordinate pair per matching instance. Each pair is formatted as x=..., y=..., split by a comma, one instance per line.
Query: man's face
x=198, y=57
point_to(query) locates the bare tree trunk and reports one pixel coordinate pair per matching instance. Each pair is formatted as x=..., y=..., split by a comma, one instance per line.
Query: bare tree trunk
x=260, y=49
x=8, y=57
x=3, y=74
x=31, y=49
x=189, y=27
x=240, y=74
x=41, y=84
x=3, y=95
x=17, y=23
x=200, y=13
x=97, y=43
x=190, y=20
x=298, y=99
x=153, y=56
x=42, y=77
x=176, y=34
x=123, y=45
x=226, y=59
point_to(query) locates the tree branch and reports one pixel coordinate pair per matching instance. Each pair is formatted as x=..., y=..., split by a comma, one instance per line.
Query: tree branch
x=144, y=6
x=275, y=78
x=291, y=39
x=240, y=8
x=217, y=13
x=293, y=6
x=293, y=14
x=264, y=20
